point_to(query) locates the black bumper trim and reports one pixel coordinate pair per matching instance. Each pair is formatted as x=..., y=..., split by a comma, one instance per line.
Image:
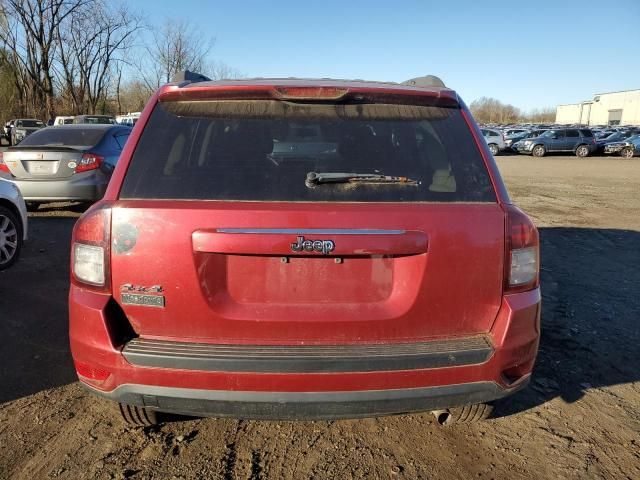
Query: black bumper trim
x=308, y=358
x=305, y=405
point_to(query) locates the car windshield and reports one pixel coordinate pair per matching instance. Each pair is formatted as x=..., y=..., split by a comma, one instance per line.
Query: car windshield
x=548, y=134
x=29, y=123
x=64, y=137
x=264, y=151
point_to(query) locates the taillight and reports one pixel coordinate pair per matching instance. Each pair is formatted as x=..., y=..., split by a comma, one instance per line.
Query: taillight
x=90, y=372
x=90, y=249
x=89, y=161
x=522, y=262
x=3, y=166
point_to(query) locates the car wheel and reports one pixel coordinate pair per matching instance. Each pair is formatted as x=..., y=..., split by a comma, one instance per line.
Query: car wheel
x=539, y=151
x=465, y=414
x=10, y=237
x=626, y=152
x=138, y=416
x=582, y=151
x=493, y=148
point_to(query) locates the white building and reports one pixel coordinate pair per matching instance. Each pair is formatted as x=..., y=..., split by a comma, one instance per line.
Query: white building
x=615, y=108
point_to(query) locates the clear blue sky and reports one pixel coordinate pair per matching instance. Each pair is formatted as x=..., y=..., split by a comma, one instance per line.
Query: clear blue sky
x=530, y=53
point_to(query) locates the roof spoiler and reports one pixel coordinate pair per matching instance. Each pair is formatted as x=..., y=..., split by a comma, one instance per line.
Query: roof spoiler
x=426, y=81
x=189, y=76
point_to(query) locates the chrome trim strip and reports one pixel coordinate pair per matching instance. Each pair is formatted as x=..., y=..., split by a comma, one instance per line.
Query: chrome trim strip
x=310, y=231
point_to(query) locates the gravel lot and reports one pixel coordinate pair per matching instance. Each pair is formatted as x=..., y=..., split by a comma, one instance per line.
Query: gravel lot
x=579, y=419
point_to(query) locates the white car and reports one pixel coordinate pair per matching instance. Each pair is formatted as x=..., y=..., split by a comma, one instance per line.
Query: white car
x=495, y=140
x=63, y=120
x=13, y=222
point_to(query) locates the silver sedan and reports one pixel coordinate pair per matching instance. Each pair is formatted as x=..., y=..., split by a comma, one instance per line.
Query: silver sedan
x=13, y=222
x=65, y=163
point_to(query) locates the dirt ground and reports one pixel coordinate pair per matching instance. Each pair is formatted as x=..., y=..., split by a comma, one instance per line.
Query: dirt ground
x=580, y=418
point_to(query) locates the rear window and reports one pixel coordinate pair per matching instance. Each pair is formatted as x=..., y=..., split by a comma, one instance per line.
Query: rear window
x=264, y=150
x=29, y=123
x=58, y=136
x=587, y=133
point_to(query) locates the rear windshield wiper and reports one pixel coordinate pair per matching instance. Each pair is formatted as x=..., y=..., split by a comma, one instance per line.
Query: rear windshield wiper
x=316, y=178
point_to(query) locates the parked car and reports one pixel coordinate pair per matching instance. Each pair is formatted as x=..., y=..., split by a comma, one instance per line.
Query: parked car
x=581, y=142
x=222, y=276
x=495, y=140
x=129, y=119
x=13, y=221
x=6, y=130
x=22, y=128
x=510, y=140
x=516, y=144
x=615, y=137
x=64, y=120
x=68, y=162
x=627, y=148
x=95, y=119
x=515, y=131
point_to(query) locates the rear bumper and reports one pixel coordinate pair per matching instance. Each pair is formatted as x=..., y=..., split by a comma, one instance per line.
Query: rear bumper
x=86, y=186
x=305, y=405
x=181, y=380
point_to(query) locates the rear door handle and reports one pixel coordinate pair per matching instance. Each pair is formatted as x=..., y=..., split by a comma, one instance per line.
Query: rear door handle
x=291, y=241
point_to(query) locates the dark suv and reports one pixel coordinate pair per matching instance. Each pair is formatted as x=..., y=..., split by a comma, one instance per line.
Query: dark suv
x=301, y=249
x=579, y=141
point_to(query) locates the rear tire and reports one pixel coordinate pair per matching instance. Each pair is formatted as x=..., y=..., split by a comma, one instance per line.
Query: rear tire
x=10, y=237
x=465, y=414
x=627, y=152
x=539, y=151
x=493, y=148
x=138, y=416
x=582, y=151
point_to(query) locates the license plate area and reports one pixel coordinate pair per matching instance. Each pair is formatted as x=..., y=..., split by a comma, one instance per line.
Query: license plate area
x=46, y=167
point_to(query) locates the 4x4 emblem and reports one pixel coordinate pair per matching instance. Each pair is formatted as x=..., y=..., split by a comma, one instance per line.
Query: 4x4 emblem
x=321, y=246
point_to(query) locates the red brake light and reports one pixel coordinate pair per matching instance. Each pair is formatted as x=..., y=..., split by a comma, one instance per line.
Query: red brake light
x=3, y=166
x=92, y=373
x=312, y=93
x=91, y=249
x=89, y=161
x=522, y=259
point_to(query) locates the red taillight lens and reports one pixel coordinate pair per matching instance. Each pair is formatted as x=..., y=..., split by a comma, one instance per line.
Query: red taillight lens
x=92, y=373
x=522, y=262
x=3, y=166
x=90, y=249
x=89, y=161
x=311, y=93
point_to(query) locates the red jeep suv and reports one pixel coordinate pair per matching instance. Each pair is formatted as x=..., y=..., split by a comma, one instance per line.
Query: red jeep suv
x=305, y=249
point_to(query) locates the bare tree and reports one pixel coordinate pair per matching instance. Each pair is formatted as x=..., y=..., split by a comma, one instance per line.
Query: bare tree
x=93, y=46
x=29, y=32
x=133, y=96
x=490, y=110
x=220, y=70
x=175, y=47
